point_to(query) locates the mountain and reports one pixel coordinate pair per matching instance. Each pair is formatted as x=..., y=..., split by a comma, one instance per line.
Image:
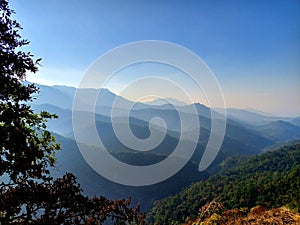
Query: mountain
x=69, y=159
x=296, y=121
x=270, y=180
x=247, y=132
x=164, y=101
x=240, y=139
x=249, y=109
x=251, y=118
x=61, y=96
x=279, y=131
x=144, y=112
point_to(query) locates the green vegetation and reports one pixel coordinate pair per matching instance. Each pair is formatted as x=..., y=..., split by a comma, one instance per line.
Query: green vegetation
x=270, y=180
x=28, y=192
x=31, y=193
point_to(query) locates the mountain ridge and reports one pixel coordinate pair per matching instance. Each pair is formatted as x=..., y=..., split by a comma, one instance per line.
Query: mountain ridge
x=240, y=139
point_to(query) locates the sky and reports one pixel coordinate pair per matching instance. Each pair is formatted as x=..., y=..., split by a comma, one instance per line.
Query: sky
x=252, y=47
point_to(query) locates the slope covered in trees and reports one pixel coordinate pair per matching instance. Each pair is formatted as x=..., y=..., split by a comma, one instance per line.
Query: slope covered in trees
x=28, y=192
x=270, y=180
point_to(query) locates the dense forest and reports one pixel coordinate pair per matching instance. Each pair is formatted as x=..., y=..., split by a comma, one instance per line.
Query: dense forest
x=40, y=161
x=29, y=194
x=269, y=180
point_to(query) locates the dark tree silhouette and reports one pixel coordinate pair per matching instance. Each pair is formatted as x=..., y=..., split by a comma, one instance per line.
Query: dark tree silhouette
x=28, y=192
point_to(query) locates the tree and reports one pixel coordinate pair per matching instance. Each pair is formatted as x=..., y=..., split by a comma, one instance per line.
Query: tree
x=28, y=192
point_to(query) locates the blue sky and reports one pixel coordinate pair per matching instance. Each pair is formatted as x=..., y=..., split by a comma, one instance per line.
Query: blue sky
x=253, y=47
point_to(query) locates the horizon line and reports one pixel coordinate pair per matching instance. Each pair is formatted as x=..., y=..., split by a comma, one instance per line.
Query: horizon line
x=248, y=109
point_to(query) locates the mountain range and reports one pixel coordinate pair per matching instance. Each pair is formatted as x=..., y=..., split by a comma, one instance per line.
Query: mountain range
x=247, y=133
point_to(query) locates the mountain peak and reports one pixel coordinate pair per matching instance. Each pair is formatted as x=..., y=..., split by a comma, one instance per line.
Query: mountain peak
x=165, y=101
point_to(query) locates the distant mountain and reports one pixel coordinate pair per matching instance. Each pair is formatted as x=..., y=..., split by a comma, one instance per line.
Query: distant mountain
x=251, y=118
x=296, y=121
x=240, y=138
x=164, y=101
x=63, y=97
x=279, y=131
x=250, y=131
x=60, y=96
x=258, y=112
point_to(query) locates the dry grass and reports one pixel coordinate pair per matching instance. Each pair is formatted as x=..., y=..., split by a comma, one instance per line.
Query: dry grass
x=257, y=216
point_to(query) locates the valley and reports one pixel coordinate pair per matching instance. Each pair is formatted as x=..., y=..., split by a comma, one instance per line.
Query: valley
x=240, y=139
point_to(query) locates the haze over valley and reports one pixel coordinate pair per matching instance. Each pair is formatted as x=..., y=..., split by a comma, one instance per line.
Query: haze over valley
x=149, y=112
x=247, y=133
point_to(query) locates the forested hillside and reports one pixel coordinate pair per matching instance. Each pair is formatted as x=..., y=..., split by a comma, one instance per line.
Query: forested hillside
x=270, y=180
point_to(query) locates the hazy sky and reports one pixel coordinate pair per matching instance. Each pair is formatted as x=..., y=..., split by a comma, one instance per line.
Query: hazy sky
x=253, y=47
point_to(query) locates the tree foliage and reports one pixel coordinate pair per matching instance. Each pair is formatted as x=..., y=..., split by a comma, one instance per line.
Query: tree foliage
x=28, y=192
x=270, y=180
